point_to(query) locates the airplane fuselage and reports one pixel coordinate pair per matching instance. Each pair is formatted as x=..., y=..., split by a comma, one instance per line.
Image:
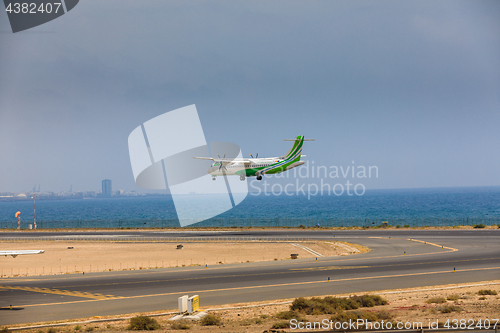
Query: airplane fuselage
x=257, y=166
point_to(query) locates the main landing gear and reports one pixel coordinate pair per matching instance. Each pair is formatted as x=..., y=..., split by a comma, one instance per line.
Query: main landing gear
x=242, y=177
x=259, y=177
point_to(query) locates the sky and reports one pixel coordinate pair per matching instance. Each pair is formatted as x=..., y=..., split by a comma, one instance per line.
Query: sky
x=411, y=87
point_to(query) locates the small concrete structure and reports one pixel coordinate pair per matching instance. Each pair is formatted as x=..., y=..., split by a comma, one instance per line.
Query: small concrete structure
x=294, y=255
x=188, y=307
x=184, y=316
x=180, y=246
x=182, y=302
x=193, y=304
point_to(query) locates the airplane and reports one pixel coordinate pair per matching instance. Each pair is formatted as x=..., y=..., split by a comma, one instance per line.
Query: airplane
x=16, y=253
x=256, y=167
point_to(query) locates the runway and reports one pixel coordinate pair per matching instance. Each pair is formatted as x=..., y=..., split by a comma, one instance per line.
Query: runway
x=432, y=257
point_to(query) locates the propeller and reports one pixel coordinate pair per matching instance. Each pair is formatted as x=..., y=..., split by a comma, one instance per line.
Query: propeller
x=222, y=166
x=256, y=156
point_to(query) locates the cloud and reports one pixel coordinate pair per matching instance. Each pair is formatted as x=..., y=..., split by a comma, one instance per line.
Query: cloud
x=368, y=78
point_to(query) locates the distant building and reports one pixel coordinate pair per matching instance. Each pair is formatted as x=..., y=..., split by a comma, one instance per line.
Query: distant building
x=106, y=188
x=90, y=194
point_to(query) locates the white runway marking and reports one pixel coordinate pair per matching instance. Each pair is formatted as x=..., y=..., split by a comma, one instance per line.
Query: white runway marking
x=308, y=250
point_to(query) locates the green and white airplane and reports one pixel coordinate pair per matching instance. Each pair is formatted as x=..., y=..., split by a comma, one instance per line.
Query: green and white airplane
x=256, y=167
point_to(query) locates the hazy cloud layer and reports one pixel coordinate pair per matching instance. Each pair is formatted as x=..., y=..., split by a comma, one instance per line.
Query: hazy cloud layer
x=412, y=87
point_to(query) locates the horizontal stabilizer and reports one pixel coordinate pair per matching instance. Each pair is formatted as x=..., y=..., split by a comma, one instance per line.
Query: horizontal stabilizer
x=299, y=140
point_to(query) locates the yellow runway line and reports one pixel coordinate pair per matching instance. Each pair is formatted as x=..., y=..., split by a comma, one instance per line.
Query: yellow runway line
x=95, y=296
x=263, y=286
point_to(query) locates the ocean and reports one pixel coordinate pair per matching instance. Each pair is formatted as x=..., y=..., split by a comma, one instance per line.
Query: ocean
x=413, y=207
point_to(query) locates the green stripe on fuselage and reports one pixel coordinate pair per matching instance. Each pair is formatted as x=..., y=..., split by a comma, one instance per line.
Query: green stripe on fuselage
x=283, y=167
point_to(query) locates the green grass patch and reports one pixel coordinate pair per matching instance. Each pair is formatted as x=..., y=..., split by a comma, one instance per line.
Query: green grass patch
x=436, y=300
x=484, y=292
x=143, y=323
x=288, y=315
x=453, y=297
x=448, y=308
x=281, y=324
x=479, y=226
x=211, y=320
x=332, y=305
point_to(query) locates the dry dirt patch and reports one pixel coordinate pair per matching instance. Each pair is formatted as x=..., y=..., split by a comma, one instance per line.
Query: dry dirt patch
x=63, y=257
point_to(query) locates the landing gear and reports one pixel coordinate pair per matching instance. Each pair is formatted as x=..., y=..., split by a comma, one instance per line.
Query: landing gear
x=242, y=177
x=213, y=178
x=259, y=177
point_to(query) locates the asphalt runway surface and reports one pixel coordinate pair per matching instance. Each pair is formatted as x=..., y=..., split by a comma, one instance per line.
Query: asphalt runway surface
x=433, y=257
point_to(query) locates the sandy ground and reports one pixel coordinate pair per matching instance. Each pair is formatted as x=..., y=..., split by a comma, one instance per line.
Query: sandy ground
x=62, y=257
x=406, y=306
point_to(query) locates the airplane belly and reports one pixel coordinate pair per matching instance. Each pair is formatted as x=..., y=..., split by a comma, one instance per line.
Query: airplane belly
x=222, y=173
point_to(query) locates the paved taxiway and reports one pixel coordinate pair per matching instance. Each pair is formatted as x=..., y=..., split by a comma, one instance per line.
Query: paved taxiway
x=475, y=255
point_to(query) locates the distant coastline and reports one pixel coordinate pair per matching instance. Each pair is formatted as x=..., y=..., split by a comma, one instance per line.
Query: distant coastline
x=41, y=196
x=28, y=196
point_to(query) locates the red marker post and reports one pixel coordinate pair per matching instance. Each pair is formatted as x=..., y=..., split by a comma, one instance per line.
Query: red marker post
x=18, y=216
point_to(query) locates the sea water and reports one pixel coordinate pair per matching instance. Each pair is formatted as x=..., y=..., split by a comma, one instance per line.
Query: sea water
x=438, y=206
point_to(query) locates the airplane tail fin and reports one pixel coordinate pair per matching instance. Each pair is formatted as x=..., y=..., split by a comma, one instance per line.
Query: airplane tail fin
x=296, y=150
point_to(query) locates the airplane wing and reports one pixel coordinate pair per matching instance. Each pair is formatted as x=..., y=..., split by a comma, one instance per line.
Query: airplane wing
x=16, y=253
x=225, y=160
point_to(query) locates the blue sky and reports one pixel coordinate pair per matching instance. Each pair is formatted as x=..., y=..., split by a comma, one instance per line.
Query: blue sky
x=412, y=87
